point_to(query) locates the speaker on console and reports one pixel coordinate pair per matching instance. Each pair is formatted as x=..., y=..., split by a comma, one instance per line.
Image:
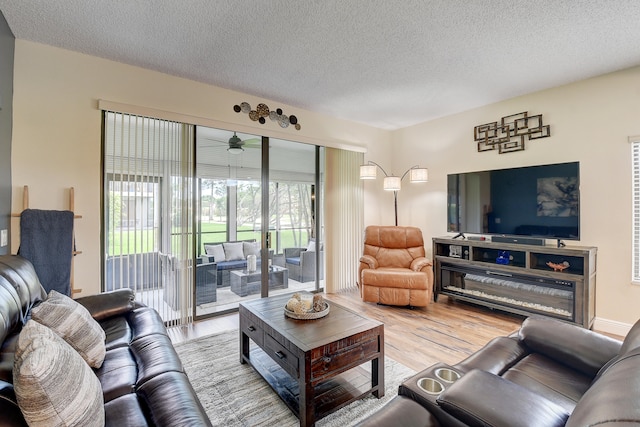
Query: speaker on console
x=518, y=240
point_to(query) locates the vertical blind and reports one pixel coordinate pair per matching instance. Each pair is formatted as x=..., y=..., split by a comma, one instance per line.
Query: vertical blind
x=148, y=212
x=344, y=218
x=635, y=156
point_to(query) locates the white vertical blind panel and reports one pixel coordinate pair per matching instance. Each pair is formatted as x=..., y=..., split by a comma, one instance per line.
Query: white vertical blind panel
x=344, y=218
x=635, y=156
x=148, y=212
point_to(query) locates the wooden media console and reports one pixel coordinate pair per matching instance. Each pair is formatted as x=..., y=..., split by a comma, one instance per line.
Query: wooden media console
x=519, y=278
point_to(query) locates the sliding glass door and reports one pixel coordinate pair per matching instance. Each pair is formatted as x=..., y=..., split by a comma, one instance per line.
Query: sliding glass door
x=246, y=249
x=197, y=220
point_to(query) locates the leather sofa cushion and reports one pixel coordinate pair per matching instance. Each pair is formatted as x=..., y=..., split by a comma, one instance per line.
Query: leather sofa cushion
x=483, y=399
x=180, y=409
x=578, y=348
x=395, y=278
x=548, y=378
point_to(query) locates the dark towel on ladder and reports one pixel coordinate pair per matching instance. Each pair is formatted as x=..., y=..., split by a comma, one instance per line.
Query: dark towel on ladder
x=46, y=239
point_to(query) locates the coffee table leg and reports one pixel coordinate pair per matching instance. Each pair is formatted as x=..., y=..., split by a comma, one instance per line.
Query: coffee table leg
x=377, y=377
x=377, y=367
x=244, y=346
x=306, y=396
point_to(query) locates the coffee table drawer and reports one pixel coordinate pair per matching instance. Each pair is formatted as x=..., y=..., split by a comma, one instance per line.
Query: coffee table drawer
x=252, y=331
x=330, y=361
x=283, y=357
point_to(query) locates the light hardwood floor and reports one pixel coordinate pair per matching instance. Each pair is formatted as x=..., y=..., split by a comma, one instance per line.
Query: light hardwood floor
x=445, y=331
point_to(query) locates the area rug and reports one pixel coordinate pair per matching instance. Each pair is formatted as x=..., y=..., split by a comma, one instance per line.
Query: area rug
x=233, y=394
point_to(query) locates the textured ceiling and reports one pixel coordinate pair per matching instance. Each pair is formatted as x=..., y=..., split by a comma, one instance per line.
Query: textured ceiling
x=386, y=63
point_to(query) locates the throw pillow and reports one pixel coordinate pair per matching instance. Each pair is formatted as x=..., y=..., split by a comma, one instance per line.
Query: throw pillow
x=311, y=247
x=251, y=248
x=233, y=251
x=53, y=385
x=216, y=251
x=74, y=324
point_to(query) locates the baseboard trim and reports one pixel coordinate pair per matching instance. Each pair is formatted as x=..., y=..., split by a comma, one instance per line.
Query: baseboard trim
x=611, y=326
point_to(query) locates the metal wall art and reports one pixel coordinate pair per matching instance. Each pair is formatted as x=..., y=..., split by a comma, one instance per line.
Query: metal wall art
x=511, y=133
x=261, y=113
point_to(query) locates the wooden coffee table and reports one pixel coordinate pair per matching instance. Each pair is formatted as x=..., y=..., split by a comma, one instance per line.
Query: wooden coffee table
x=315, y=366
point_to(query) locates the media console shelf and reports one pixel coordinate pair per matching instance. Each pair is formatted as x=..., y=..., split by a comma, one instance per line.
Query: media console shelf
x=518, y=278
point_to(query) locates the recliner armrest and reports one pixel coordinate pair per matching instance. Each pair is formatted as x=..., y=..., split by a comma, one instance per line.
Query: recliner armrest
x=572, y=345
x=419, y=263
x=480, y=399
x=108, y=304
x=370, y=261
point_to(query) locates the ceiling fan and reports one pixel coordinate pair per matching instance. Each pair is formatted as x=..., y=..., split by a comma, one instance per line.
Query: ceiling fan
x=236, y=144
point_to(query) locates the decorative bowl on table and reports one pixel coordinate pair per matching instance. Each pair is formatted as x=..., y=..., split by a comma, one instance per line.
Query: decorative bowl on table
x=306, y=308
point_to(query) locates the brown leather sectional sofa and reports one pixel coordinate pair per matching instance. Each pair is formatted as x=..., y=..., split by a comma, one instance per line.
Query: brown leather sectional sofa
x=142, y=377
x=549, y=373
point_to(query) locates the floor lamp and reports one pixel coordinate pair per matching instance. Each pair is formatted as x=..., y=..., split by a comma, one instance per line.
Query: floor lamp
x=392, y=182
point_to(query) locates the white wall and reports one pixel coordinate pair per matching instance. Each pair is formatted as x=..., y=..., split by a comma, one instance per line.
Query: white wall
x=56, y=145
x=57, y=131
x=591, y=122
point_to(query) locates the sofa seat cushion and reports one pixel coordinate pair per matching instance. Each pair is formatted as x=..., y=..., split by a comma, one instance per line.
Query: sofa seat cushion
x=118, y=374
x=232, y=265
x=556, y=382
x=181, y=409
x=293, y=260
x=53, y=384
x=124, y=411
x=395, y=277
x=120, y=331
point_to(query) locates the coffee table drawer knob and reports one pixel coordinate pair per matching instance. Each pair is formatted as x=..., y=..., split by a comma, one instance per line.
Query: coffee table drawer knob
x=280, y=355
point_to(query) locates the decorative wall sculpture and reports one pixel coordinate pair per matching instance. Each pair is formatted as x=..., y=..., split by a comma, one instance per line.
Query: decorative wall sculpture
x=261, y=113
x=510, y=133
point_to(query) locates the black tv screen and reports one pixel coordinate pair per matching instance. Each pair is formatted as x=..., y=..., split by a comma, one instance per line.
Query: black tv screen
x=537, y=201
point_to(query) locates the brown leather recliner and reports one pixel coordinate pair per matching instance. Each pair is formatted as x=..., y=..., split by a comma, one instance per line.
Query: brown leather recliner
x=393, y=268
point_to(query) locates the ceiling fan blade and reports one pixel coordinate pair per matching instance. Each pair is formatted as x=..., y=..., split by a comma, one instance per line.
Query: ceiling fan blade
x=252, y=142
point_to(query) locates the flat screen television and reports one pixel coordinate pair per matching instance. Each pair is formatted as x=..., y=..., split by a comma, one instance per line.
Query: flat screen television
x=535, y=201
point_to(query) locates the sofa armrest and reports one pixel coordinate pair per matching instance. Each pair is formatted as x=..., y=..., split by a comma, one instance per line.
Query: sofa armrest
x=572, y=345
x=419, y=263
x=370, y=261
x=293, y=252
x=108, y=304
x=480, y=399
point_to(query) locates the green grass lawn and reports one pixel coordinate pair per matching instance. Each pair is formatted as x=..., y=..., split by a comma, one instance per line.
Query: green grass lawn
x=140, y=241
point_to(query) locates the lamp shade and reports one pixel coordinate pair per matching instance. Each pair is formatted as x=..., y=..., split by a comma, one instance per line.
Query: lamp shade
x=419, y=175
x=368, y=172
x=392, y=183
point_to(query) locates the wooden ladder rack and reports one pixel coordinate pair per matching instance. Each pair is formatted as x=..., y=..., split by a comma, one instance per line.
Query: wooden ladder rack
x=25, y=205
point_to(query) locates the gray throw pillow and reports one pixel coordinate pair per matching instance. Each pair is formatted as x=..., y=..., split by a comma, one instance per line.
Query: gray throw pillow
x=251, y=248
x=216, y=251
x=233, y=251
x=74, y=324
x=53, y=385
